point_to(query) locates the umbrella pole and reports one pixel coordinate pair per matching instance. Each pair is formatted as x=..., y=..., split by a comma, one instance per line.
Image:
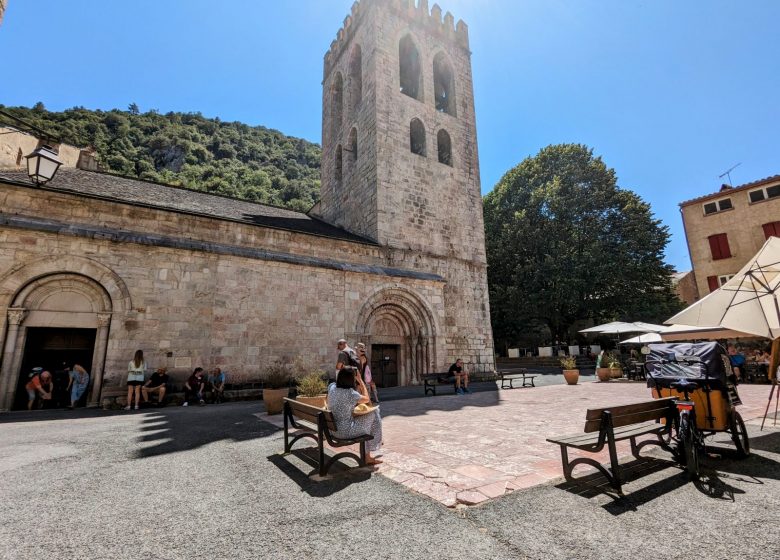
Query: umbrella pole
x=773, y=363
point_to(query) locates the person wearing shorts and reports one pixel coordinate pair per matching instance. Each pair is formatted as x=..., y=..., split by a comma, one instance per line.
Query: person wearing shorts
x=157, y=384
x=41, y=385
x=461, y=377
x=135, y=379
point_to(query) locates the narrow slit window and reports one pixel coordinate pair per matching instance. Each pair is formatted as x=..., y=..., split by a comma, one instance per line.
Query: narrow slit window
x=336, y=105
x=444, y=145
x=356, y=78
x=409, y=66
x=417, y=137
x=338, y=165
x=353, y=145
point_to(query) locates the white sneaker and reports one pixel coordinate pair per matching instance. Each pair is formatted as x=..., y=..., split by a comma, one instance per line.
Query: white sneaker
x=136, y=407
x=185, y=403
x=127, y=407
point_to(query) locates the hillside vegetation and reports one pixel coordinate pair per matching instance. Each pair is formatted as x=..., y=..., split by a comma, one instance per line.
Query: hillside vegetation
x=229, y=158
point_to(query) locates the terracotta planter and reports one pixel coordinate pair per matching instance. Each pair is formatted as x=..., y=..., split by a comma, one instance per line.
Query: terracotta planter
x=571, y=376
x=319, y=401
x=603, y=374
x=274, y=400
x=616, y=373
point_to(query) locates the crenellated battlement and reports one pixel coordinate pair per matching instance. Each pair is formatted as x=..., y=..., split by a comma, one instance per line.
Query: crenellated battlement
x=415, y=12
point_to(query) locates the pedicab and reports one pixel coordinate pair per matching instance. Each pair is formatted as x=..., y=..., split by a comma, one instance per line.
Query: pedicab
x=700, y=376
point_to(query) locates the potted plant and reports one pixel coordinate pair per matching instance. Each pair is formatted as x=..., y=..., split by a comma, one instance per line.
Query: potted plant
x=570, y=372
x=276, y=386
x=615, y=367
x=311, y=389
x=602, y=371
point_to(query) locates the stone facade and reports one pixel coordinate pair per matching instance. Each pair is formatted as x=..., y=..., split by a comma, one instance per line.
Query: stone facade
x=685, y=286
x=2, y=10
x=737, y=213
x=15, y=145
x=211, y=281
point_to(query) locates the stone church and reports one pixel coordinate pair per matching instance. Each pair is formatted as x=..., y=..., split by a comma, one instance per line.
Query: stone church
x=94, y=266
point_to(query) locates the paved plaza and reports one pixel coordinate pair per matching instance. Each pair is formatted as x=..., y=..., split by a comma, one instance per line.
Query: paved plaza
x=211, y=483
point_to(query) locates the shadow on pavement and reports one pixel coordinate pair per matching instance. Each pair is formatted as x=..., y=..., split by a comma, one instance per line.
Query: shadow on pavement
x=56, y=414
x=174, y=430
x=339, y=477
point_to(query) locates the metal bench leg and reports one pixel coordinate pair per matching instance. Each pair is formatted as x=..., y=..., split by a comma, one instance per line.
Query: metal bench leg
x=362, y=453
x=615, y=467
x=321, y=452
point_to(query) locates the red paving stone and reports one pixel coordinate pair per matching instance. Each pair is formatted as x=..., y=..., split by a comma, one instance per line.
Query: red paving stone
x=471, y=448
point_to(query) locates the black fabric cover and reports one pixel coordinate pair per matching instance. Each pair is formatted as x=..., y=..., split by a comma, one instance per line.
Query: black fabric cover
x=702, y=361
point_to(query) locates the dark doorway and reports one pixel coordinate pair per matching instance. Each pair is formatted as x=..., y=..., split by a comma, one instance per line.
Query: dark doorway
x=52, y=349
x=384, y=364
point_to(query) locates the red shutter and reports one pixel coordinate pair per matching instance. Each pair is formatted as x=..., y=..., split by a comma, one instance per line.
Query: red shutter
x=712, y=281
x=770, y=229
x=719, y=246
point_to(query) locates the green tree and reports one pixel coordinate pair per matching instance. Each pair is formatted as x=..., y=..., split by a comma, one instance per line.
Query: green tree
x=565, y=243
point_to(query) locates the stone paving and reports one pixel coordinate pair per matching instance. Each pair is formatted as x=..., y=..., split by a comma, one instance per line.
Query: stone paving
x=469, y=449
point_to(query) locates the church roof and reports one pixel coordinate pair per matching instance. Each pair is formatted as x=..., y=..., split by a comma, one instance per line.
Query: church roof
x=179, y=199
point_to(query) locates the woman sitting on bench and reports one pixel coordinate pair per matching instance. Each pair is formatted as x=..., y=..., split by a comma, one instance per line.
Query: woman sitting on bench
x=342, y=399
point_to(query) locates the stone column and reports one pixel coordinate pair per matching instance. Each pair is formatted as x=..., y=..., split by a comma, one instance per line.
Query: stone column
x=99, y=358
x=10, y=357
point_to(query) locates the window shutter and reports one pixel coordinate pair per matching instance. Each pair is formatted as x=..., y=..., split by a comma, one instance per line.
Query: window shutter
x=712, y=281
x=719, y=246
x=770, y=229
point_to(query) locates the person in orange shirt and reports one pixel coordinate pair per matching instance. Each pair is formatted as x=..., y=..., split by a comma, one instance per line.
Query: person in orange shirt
x=40, y=385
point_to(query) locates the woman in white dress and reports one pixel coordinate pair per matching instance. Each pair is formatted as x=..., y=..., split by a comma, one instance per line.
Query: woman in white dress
x=342, y=400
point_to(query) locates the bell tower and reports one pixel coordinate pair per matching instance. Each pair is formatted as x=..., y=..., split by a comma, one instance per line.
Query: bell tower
x=399, y=156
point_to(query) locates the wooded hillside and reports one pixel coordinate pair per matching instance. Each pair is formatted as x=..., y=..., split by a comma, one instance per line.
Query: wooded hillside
x=230, y=158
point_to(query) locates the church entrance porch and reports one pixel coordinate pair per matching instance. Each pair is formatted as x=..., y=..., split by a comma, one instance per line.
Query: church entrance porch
x=384, y=364
x=54, y=350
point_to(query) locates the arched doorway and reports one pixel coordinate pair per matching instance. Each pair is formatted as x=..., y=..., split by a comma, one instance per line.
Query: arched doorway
x=399, y=329
x=55, y=319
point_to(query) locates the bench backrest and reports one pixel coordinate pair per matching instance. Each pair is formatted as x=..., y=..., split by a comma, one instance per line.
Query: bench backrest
x=311, y=413
x=627, y=414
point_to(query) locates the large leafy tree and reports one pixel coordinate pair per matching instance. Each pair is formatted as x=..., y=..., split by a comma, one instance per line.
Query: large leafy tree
x=565, y=243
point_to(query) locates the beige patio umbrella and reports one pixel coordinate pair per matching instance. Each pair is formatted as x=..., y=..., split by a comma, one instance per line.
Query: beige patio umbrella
x=747, y=303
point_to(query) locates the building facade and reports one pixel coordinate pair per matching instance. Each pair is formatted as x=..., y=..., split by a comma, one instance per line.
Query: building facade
x=94, y=266
x=726, y=228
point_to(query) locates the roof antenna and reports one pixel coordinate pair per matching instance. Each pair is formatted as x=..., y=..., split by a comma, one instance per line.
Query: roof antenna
x=727, y=173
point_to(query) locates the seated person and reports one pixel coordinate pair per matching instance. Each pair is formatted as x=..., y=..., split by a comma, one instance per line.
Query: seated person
x=737, y=362
x=461, y=377
x=216, y=383
x=40, y=385
x=193, y=388
x=342, y=399
x=157, y=384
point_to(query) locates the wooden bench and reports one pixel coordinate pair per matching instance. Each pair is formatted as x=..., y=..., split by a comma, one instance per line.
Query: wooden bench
x=606, y=426
x=318, y=424
x=431, y=381
x=510, y=377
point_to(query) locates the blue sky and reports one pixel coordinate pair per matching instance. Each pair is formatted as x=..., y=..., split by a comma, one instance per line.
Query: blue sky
x=669, y=93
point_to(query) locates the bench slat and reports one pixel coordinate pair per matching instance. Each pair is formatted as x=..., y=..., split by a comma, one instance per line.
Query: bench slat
x=626, y=432
x=628, y=419
x=595, y=413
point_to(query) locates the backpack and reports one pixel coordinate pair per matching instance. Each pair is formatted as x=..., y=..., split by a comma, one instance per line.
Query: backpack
x=352, y=356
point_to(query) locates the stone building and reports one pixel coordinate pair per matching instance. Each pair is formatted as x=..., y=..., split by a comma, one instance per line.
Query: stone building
x=726, y=228
x=94, y=266
x=2, y=10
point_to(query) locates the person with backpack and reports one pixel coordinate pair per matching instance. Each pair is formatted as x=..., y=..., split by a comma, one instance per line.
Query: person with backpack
x=347, y=359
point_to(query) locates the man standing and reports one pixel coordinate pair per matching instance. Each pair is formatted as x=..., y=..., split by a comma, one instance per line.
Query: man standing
x=347, y=358
x=157, y=384
x=461, y=377
x=217, y=384
x=737, y=362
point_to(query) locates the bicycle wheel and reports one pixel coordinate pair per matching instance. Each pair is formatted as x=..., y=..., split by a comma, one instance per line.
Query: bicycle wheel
x=690, y=445
x=739, y=435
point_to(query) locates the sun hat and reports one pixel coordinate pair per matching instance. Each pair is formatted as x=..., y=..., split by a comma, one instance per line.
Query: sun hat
x=362, y=409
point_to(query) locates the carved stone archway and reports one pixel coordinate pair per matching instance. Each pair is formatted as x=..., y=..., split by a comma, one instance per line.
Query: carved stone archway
x=61, y=299
x=399, y=316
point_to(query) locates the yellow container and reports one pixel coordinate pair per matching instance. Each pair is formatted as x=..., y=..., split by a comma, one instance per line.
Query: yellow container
x=719, y=407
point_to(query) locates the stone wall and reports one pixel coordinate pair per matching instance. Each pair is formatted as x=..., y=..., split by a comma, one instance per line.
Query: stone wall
x=14, y=145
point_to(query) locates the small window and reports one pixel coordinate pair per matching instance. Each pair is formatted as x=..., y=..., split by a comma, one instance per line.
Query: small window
x=771, y=229
x=353, y=145
x=719, y=246
x=725, y=278
x=409, y=67
x=445, y=147
x=417, y=137
x=718, y=206
x=763, y=194
x=338, y=165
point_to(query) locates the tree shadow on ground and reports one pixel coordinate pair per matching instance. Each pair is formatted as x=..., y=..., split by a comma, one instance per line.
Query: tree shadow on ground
x=174, y=430
x=484, y=394
x=340, y=476
x=721, y=469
